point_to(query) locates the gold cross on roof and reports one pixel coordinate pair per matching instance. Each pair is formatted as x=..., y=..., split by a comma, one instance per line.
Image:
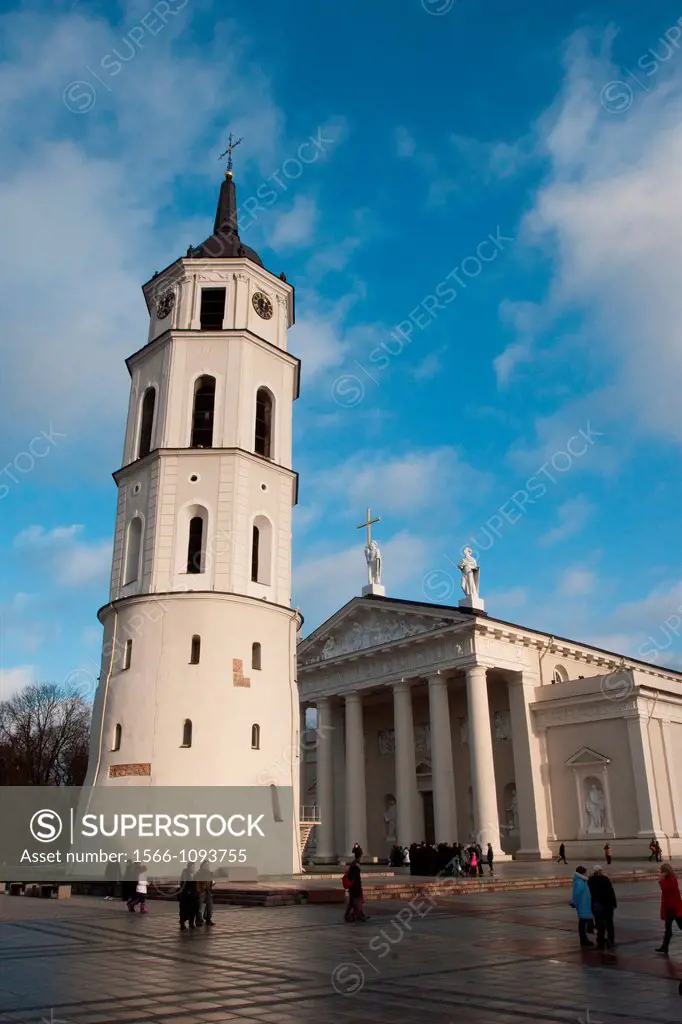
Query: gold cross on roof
x=368, y=524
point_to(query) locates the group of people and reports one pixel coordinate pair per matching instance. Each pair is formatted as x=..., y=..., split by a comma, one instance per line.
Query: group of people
x=457, y=859
x=655, y=851
x=196, y=896
x=594, y=901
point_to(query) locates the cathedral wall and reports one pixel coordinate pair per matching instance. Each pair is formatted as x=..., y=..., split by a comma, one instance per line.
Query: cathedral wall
x=661, y=786
x=610, y=738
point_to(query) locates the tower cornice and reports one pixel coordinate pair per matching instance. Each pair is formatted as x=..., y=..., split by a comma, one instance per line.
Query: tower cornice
x=204, y=453
x=192, y=596
x=233, y=332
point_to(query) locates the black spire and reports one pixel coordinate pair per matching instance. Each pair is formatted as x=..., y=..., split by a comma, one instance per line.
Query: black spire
x=225, y=242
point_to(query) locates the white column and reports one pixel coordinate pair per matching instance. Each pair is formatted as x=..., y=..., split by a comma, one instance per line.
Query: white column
x=325, y=852
x=356, y=797
x=302, y=758
x=486, y=818
x=671, y=773
x=530, y=788
x=643, y=770
x=444, y=803
x=406, y=794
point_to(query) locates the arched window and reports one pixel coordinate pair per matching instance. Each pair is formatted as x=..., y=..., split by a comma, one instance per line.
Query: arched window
x=261, y=550
x=195, y=545
x=195, y=652
x=559, y=675
x=117, y=738
x=147, y=423
x=187, y=733
x=133, y=551
x=202, y=414
x=255, y=737
x=263, y=440
x=255, y=656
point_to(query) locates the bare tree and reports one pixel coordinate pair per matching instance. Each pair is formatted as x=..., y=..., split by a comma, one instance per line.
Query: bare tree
x=44, y=736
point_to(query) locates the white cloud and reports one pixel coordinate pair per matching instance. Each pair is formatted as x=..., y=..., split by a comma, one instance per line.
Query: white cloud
x=73, y=562
x=84, y=219
x=577, y=582
x=610, y=217
x=405, y=145
x=500, y=602
x=296, y=226
x=405, y=483
x=12, y=680
x=572, y=516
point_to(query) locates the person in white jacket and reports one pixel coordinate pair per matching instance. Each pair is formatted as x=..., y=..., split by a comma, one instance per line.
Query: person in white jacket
x=140, y=892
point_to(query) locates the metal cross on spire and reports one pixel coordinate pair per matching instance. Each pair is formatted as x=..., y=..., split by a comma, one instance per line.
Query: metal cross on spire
x=368, y=524
x=232, y=144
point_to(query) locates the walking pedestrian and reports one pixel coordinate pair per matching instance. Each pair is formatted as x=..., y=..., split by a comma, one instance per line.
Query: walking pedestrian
x=562, y=855
x=140, y=896
x=581, y=901
x=489, y=857
x=607, y=853
x=671, y=905
x=604, y=904
x=205, y=878
x=188, y=897
x=473, y=862
x=353, y=880
x=652, y=847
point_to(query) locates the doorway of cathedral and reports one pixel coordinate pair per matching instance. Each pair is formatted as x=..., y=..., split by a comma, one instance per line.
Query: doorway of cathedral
x=429, y=825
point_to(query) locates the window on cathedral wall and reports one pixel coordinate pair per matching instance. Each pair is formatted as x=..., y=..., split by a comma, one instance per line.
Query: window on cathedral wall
x=560, y=674
x=195, y=650
x=203, y=412
x=146, y=423
x=255, y=737
x=212, y=310
x=261, y=551
x=127, y=655
x=133, y=551
x=255, y=656
x=116, y=745
x=195, y=545
x=187, y=733
x=264, y=422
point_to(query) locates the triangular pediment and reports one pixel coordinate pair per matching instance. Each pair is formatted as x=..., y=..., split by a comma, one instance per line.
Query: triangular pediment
x=366, y=623
x=587, y=756
x=424, y=768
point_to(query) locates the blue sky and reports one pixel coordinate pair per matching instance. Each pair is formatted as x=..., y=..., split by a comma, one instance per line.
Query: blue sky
x=553, y=129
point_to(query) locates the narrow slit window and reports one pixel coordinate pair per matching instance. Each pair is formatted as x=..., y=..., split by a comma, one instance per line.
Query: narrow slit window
x=147, y=423
x=117, y=738
x=127, y=655
x=212, y=311
x=187, y=733
x=263, y=433
x=195, y=545
x=255, y=543
x=133, y=551
x=195, y=651
x=255, y=656
x=255, y=737
x=203, y=413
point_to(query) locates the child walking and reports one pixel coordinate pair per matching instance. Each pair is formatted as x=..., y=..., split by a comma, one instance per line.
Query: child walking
x=140, y=892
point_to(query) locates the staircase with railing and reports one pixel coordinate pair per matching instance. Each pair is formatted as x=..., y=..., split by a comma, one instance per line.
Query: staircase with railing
x=309, y=818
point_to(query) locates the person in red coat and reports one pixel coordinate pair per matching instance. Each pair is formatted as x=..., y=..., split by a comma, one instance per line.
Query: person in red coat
x=671, y=905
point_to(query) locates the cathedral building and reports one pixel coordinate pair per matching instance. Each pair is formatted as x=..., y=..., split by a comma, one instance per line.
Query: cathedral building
x=445, y=724
x=198, y=683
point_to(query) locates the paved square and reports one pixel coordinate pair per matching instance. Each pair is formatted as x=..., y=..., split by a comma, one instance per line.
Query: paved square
x=508, y=957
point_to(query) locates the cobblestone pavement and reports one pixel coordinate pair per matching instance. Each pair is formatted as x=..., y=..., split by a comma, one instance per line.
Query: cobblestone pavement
x=494, y=958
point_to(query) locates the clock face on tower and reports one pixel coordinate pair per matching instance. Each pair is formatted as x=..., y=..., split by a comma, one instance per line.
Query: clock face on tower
x=165, y=305
x=262, y=305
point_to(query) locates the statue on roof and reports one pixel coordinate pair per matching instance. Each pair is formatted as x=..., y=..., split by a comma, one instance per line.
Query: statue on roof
x=470, y=573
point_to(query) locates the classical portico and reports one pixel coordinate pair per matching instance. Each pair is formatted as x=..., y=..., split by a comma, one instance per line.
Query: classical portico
x=443, y=724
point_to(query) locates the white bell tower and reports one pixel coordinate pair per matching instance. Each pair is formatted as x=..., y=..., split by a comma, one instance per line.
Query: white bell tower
x=198, y=683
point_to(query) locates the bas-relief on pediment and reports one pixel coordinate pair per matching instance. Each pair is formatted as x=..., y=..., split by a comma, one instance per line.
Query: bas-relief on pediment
x=370, y=632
